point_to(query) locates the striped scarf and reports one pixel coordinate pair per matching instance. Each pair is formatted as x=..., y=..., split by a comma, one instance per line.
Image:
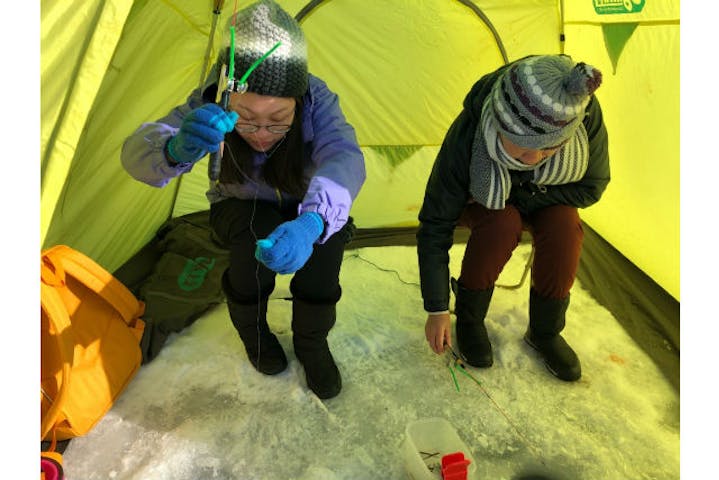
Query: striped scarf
x=489, y=178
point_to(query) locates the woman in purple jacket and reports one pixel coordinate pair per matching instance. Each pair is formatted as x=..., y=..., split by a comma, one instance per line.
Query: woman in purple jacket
x=290, y=170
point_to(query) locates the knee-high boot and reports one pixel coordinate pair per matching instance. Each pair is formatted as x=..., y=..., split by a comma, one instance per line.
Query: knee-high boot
x=546, y=321
x=310, y=325
x=472, y=338
x=263, y=349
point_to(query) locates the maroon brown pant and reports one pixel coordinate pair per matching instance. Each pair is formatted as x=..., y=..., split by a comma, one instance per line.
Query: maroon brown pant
x=557, y=236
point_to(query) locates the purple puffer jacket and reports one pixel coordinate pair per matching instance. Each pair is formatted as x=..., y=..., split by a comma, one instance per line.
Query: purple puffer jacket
x=335, y=163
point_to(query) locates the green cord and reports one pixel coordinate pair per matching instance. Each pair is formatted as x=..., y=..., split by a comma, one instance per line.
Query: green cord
x=470, y=376
x=454, y=377
x=257, y=62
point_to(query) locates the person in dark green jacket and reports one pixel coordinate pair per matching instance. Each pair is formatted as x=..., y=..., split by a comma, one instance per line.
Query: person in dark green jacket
x=527, y=151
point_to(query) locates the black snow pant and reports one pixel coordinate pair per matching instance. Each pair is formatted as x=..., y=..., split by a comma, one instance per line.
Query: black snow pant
x=240, y=223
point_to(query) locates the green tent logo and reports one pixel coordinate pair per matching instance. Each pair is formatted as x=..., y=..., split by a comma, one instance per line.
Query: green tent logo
x=610, y=7
x=194, y=273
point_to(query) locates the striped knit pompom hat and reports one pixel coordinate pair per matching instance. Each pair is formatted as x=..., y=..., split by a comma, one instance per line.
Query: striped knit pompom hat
x=539, y=101
x=258, y=28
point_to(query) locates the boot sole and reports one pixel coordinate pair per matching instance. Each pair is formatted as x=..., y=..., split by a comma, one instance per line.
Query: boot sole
x=269, y=371
x=546, y=364
x=270, y=364
x=486, y=364
x=326, y=394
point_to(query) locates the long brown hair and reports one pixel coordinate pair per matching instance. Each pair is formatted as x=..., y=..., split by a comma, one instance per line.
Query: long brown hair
x=284, y=167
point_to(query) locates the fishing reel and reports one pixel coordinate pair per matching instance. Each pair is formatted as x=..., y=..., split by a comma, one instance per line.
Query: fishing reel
x=231, y=85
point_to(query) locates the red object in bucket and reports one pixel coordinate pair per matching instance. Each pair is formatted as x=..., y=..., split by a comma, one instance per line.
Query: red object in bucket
x=454, y=466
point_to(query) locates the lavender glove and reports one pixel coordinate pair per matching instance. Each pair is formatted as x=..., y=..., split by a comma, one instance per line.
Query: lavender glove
x=289, y=246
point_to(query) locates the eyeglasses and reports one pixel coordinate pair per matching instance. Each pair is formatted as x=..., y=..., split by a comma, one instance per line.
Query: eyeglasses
x=252, y=128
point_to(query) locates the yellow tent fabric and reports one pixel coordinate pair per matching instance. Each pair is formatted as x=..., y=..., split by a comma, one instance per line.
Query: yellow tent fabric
x=639, y=212
x=76, y=46
x=401, y=69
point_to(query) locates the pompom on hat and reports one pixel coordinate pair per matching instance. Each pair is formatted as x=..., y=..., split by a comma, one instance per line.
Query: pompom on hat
x=258, y=28
x=539, y=101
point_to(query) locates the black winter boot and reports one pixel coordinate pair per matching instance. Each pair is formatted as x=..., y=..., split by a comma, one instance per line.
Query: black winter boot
x=310, y=325
x=546, y=320
x=263, y=349
x=472, y=338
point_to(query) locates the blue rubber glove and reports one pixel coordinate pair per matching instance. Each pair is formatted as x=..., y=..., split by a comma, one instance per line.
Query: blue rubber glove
x=202, y=131
x=289, y=246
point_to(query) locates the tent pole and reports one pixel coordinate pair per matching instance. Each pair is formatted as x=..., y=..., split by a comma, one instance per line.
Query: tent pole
x=307, y=9
x=216, y=11
x=468, y=3
x=487, y=22
x=561, y=26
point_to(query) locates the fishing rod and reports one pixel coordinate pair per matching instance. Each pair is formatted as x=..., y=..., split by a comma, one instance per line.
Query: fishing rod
x=231, y=85
x=456, y=362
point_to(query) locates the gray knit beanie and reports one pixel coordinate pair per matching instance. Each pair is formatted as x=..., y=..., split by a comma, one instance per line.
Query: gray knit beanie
x=258, y=28
x=539, y=101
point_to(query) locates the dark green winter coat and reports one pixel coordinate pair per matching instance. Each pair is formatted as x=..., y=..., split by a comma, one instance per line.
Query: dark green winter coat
x=447, y=191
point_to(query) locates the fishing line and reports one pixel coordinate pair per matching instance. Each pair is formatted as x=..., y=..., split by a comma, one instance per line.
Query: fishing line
x=458, y=363
x=457, y=360
x=234, y=161
x=233, y=85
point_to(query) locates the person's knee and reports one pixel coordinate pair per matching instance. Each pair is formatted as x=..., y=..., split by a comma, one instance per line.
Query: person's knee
x=510, y=223
x=504, y=224
x=238, y=222
x=245, y=287
x=316, y=292
x=559, y=222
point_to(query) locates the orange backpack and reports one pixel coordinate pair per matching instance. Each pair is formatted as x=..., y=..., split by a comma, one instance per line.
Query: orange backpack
x=90, y=346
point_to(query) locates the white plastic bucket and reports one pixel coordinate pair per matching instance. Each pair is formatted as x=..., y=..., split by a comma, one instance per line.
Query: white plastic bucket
x=426, y=442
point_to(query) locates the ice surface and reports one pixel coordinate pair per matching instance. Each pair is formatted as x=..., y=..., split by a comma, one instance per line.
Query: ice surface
x=200, y=411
